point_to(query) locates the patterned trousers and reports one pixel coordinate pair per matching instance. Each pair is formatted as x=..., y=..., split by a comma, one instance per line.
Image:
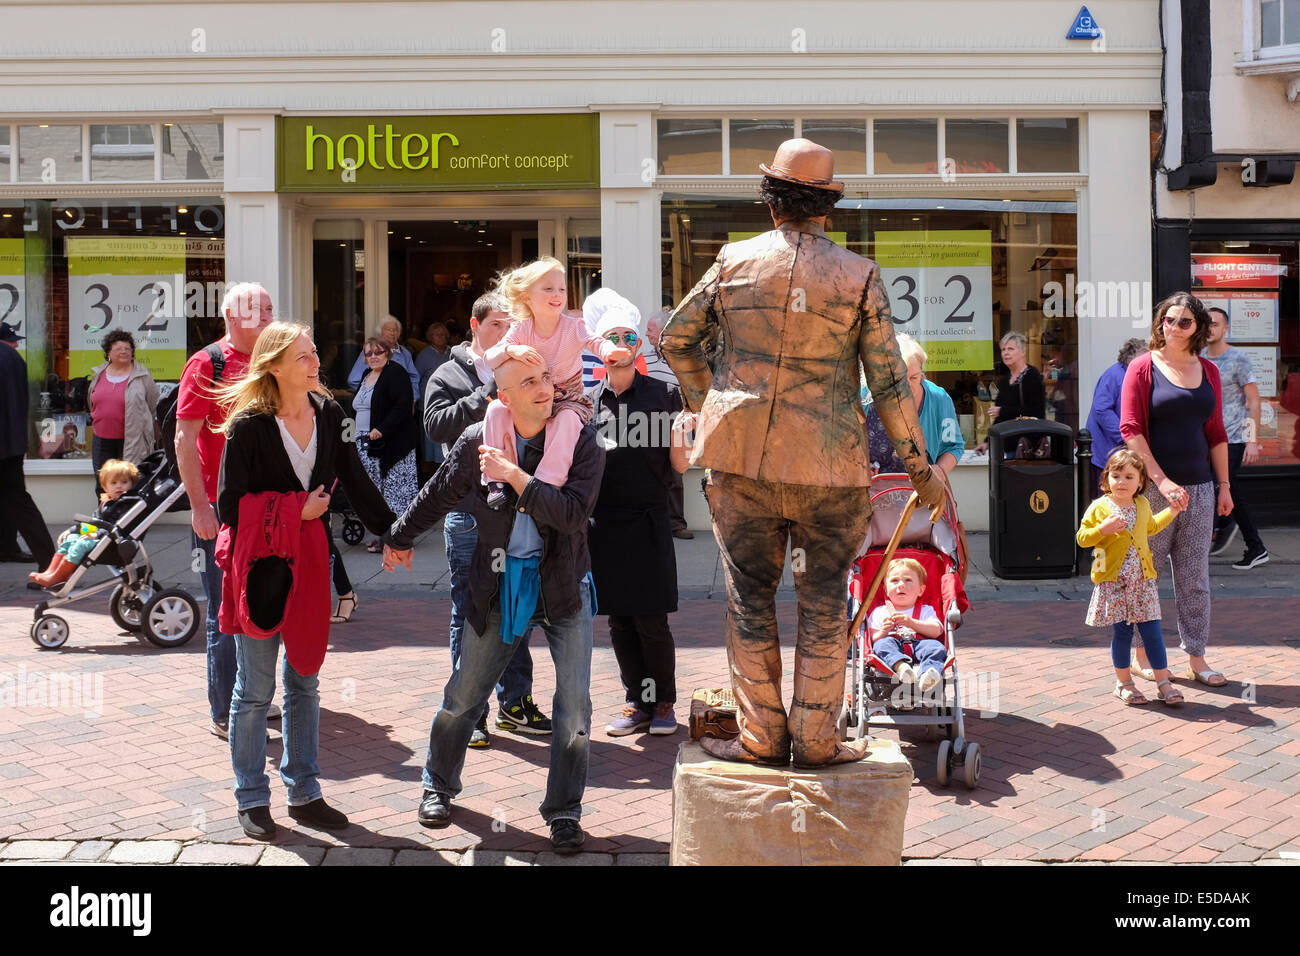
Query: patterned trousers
x=1186, y=545
x=753, y=522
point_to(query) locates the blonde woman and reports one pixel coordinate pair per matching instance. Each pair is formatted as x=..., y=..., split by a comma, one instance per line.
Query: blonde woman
x=285, y=434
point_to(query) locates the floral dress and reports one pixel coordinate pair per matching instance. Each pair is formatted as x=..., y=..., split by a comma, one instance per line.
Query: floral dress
x=1131, y=598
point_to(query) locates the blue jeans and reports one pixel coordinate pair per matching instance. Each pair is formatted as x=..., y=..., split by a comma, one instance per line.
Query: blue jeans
x=460, y=532
x=1153, y=641
x=221, y=647
x=929, y=653
x=254, y=690
x=481, y=662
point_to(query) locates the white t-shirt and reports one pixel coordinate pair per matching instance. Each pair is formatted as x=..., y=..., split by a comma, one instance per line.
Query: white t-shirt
x=876, y=619
x=303, y=460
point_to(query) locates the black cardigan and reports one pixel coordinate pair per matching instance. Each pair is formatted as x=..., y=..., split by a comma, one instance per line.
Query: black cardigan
x=1030, y=387
x=255, y=460
x=391, y=412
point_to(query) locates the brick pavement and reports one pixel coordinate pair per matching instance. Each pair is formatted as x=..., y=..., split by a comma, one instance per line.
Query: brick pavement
x=1069, y=773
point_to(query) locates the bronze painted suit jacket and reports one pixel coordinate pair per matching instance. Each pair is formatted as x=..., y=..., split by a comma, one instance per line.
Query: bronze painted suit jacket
x=794, y=315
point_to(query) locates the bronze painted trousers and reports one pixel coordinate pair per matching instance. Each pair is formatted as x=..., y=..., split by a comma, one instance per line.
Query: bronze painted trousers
x=752, y=521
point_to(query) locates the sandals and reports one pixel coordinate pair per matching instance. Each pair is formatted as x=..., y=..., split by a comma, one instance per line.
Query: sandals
x=1206, y=677
x=1146, y=673
x=1127, y=692
x=1171, y=697
x=375, y=547
x=342, y=614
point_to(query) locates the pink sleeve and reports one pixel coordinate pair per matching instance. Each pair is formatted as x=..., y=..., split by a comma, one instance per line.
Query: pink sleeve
x=1215, y=433
x=497, y=353
x=592, y=342
x=1135, y=399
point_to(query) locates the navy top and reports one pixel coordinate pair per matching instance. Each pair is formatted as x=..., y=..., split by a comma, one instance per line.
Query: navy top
x=1177, y=428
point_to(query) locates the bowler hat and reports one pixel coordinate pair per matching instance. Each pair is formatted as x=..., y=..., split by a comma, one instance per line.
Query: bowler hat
x=8, y=333
x=803, y=162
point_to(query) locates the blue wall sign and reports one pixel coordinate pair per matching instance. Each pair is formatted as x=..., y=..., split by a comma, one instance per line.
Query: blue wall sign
x=1085, y=26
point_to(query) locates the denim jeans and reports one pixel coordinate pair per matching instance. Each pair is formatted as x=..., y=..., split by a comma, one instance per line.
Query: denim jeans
x=460, y=532
x=929, y=653
x=221, y=647
x=482, y=660
x=254, y=690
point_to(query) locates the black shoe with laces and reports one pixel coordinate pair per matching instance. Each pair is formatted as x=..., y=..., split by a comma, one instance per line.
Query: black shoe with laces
x=566, y=836
x=435, y=809
x=523, y=717
x=1253, y=558
x=1223, y=538
x=480, y=738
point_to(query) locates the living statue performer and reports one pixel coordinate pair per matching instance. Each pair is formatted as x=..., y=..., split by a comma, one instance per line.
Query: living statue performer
x=780, y=428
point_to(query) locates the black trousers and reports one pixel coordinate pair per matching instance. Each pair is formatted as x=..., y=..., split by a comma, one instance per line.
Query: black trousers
x=676, y=501
x=342, y=583
x=101, y=450
x=647, y=658
x=1240, y=505
x=19, y=511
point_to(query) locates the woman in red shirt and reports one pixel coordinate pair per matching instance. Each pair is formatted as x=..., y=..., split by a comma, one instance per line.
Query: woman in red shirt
x=123, y=401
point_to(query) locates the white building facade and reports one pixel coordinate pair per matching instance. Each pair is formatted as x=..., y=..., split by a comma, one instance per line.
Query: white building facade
x=365, y=159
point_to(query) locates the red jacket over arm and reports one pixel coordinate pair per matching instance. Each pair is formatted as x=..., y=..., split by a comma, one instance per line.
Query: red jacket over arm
x=1135, y=402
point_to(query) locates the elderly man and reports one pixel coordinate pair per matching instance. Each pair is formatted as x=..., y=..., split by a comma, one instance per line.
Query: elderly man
x=794, y=315
x=530, y=568
x=247, y=310
x=390, y=330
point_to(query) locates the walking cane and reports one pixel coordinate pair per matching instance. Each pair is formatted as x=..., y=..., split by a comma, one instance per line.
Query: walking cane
x=884, y=564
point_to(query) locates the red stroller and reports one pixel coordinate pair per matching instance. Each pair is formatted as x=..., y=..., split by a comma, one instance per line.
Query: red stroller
x=875, y=698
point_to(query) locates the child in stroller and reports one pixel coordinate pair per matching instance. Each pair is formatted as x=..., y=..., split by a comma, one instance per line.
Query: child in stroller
x=904, y=628
x=163, y=617
x=116, y=477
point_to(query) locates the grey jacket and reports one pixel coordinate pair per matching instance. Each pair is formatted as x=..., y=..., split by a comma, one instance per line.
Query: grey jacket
x=139, y=434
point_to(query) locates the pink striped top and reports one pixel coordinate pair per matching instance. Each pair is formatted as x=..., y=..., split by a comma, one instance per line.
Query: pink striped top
x=562, y=351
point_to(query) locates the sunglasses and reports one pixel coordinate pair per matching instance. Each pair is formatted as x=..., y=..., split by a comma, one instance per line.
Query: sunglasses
x=374, y=352
x=630, y=339
x=1185, y=323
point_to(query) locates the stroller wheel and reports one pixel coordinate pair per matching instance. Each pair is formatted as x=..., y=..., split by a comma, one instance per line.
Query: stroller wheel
x=50, y=631
x=972, y=766
x=943, y=770
x=128, y=610
x=171, y=618
x=353, y=531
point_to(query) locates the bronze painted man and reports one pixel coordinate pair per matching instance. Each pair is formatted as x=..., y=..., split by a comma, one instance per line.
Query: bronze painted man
x=780, y=428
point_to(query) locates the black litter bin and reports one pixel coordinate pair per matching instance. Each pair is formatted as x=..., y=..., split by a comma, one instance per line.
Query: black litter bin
x=1032, y=512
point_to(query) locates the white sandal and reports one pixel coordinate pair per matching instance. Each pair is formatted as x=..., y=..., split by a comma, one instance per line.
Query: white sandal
x=1146, y=673
x=339, y=617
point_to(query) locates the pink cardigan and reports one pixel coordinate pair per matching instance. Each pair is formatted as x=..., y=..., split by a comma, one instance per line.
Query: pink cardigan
x=1135, y=402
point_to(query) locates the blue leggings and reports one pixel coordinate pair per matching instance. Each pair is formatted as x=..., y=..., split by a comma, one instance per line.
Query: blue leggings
x=1152, y=639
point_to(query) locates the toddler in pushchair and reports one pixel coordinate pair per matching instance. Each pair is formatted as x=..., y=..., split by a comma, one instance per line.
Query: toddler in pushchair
x=114, y=538
x=903, y=656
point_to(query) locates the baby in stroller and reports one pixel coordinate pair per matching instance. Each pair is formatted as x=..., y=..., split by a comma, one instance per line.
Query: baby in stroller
x=116, y=477
x=902, y=622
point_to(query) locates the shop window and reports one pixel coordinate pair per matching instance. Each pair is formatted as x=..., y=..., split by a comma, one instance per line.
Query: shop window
x=338, y=295
x=121, y=153
x=1258, y=285
x=960, y=274
x=846, y=138
x=1047, y=145
x=906, y=146
x=755, y=141
x=690, y=147
x=71, y=271
x=976, y=145
x=584, y=269
x=49, y=154
x=193, y=150
x=6, y=152
x=1279, y=23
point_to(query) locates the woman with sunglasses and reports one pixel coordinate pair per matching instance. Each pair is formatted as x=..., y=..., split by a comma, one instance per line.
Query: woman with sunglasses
x=386, y=430
x=1171, y=415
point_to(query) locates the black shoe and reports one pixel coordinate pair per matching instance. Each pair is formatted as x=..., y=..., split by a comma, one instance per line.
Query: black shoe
x=257, y=823
x=33, y=586
x=1223, y=537
x=16, y=557
x=319, y=814
x=496, y=498
x=1253, y=558
x=480, y=738
x=523, y=717
x=686, y=534
x=435, y=809
x=566, y=836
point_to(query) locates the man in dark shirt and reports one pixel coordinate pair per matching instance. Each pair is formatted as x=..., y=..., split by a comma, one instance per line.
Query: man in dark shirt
x=530, y=567
x=17, y=509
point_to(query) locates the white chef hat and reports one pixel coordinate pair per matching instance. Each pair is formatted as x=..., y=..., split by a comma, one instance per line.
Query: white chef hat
x=605, y=310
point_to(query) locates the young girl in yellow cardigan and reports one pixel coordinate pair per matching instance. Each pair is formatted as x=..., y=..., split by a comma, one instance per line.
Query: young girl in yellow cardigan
x=1124, y=593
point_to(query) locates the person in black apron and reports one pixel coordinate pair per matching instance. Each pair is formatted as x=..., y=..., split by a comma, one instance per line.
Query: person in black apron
x=631, y=538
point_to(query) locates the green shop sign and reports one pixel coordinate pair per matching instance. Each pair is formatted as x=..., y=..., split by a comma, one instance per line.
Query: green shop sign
x=437, y=153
